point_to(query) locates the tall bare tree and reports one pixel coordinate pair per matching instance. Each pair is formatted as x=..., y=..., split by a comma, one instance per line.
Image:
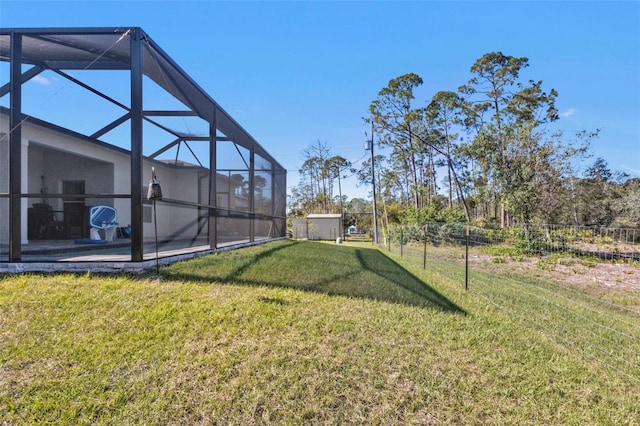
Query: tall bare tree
x=395, y=121
x=445, y=112
x=314, y=171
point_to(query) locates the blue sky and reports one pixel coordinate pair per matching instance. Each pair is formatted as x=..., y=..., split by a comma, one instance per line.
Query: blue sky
x=292, y=73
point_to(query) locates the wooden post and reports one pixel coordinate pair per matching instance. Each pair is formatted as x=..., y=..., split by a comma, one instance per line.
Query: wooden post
x=466, y=266
x=424, y=250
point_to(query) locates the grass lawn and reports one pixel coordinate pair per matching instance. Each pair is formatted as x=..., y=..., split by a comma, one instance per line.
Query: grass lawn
x=288, y=333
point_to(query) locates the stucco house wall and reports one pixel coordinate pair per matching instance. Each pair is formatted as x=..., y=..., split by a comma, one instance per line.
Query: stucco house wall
x=50, y=157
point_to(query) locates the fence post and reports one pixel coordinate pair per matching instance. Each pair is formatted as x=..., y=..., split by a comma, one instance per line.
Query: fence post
x=466, y=261
x=424, y=250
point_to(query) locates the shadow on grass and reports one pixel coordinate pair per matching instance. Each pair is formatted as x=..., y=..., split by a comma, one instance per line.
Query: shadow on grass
x=376, y=262
x=316, y=267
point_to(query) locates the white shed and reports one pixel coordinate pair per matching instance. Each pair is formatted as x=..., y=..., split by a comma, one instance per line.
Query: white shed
x=324, y=226
x=300, y=229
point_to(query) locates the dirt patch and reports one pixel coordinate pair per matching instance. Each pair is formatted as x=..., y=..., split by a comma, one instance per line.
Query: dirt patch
x=616, y=276
x=609, y=275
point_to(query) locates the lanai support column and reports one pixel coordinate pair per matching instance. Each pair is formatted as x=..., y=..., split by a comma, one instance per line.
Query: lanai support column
x=213, y=179
x=273, y=226
x=252, y=191
x=15, y=147
x=137, y=236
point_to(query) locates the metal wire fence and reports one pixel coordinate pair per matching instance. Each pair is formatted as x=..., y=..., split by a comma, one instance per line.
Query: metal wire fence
x=578, y=285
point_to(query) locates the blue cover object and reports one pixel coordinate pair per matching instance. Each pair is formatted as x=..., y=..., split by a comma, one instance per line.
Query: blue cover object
x=89, y=241
x=102, y=217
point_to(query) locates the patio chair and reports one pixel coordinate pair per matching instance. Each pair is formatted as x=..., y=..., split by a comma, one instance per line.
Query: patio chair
x=105, y=218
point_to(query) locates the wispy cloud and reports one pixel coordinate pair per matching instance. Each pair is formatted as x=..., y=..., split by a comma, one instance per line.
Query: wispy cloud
x=41, y=80
x=631, y=170
x=568, y=113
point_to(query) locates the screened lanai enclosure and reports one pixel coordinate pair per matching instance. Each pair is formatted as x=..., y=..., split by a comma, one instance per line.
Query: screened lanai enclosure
x=87, y=117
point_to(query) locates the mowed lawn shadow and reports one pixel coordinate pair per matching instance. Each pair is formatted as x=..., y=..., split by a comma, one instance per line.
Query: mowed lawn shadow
x=418, y=291
x=315, y=267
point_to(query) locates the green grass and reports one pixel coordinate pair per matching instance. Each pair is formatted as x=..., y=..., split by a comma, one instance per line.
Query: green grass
x=289, y=333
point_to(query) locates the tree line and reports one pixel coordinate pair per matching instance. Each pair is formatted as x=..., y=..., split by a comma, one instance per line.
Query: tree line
x=483, y=153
